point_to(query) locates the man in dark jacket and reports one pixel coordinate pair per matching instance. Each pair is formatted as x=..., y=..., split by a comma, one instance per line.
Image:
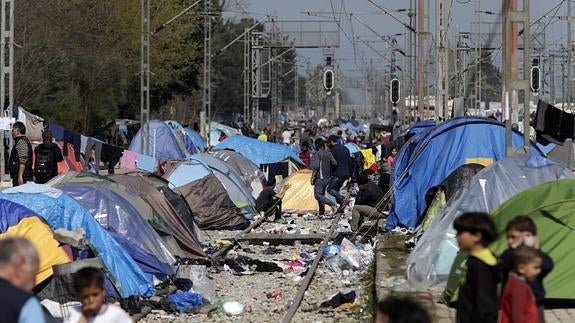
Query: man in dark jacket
x=48, y=155
x=322, y=164
x=20, y=162
x=366, y=202
x=342, y=171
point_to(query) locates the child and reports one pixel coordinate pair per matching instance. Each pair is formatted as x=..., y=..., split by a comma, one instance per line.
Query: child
x=517, y=300
x=522, y=230
x=478, y=300
x=398, y=309
x=89, y=285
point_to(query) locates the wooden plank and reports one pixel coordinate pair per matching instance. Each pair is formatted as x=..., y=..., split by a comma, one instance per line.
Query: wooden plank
x=278, y=239
x=222, y=252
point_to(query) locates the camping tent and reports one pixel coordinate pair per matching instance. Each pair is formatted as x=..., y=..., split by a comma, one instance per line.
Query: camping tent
x=183, y=233
x=61, y=211
x=550, y=206
x=20, y=221
x=232, y=182
x=252, y=176
x=257, y=151
x=163, y=142
x=216, y=128
x=206, y=196
x=299, y=198
x=177, y=202
x=431, y=156
x=197, y=140
x=125, y=223
x=431, y=259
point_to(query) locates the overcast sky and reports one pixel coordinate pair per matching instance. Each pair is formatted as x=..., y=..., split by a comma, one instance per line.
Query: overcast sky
x=352, y=58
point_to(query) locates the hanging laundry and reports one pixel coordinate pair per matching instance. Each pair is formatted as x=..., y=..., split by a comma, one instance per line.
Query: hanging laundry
x=145, y=163
x=129, y=159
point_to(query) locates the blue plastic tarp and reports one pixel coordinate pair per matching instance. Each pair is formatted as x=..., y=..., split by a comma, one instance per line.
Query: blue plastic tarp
x=64, y=212
x=428, y=158
x=257, y=151
x=163, y=144
x=11, y=214
x=186, y=300
x=353, y=148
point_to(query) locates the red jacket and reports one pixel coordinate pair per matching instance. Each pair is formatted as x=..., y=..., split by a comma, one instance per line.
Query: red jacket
x=517, y=301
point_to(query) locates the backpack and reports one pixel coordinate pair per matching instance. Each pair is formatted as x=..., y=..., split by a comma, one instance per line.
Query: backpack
x=44, y=162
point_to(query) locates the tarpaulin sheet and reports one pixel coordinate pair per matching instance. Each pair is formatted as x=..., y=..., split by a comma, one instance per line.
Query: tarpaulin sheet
x=64, y=212
x=257, y=151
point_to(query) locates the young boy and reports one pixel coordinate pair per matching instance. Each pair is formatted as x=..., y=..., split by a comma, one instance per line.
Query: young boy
x=89, y=285
x=517, y=300
x=478, y=301
x=522, y=230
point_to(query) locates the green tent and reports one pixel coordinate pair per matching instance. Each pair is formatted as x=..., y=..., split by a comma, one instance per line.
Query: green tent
x=551, y=205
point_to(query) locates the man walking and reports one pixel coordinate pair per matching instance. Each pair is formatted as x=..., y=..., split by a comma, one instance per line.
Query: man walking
x=48, y=155
x=20, y=162
x=322, y=164
x=18, y=267
x=342, y=170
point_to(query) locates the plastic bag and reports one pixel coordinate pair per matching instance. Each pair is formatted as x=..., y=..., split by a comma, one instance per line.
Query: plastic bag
x=201, y=283
x=349, y=253
x=185, y=300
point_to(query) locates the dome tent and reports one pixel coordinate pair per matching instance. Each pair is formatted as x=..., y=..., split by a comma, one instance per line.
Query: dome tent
x=430, y=261
x=429, y=157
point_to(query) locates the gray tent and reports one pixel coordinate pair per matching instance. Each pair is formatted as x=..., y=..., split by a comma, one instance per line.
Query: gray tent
x=564, y=154
x=252, y=176
x=430, y=261
x=232, y=182
x=184, y=234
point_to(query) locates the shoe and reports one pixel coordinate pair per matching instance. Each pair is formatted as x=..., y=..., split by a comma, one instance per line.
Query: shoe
x=327, y=216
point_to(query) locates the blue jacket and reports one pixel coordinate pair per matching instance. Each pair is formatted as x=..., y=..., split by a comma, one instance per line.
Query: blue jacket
x=343, y=158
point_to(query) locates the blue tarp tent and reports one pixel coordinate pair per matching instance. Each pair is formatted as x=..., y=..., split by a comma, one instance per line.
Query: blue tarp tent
x=257, y=151
x=164, y=142
x=419, y=127
x=124, y=222
x=64, y=212
x=428, y=158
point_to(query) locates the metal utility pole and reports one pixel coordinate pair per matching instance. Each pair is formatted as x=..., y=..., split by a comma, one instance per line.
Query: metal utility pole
x=7, y=68
x=247, y=73
x=145, y=75
x=552, y=78
x=511, y=82
x=440, y=40
x=569, y=53
x=207, y=84
x=420, y=27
